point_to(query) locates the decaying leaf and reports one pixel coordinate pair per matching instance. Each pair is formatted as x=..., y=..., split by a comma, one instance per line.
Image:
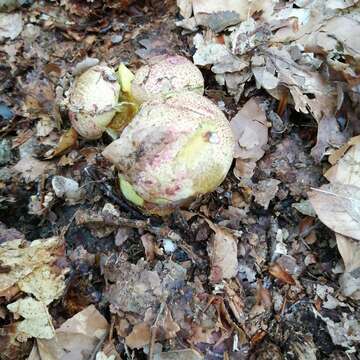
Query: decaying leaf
x=188, y=354
x=75, y=339
x=37, y=321
x=278, y=272
x=251, y=134
x=265, y=191
x=31, y=267
x=11, y=25
x=329, y=136
x=250, y=130
x=135, y=288
x=345, y=332
x=310, y=92
x=46, y=283
x=66, y=141
x=350, y=252
x=338, y=207
x=32, y=169
x=222, y=249
x=347, y=169
x=139, y=337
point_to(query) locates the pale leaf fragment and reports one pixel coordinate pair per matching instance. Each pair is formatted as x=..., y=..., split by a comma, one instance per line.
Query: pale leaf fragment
x=350, y=252
x=45, y=284
x=265, y=191
x=222, y=251
x=338, y=207
x=11, y=25
x=347, y=170
x=37, y=321
x=250, y=130
x=31, y=267
x=75, y=339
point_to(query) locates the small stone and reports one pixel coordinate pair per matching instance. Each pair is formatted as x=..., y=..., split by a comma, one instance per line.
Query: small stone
x=116, y=39
x=169, y=246
x=5, y=112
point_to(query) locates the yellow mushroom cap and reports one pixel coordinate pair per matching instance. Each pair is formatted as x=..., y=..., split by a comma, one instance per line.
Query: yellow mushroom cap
x=92, y=99
x=164, y=75
x=174, y=149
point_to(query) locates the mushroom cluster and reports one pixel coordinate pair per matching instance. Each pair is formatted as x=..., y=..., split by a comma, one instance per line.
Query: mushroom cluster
x=179, y=144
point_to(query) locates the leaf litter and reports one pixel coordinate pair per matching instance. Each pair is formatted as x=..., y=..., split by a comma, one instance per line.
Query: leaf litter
x=266, y=265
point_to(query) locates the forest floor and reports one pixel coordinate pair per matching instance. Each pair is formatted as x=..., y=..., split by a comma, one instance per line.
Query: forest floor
x=106, y=281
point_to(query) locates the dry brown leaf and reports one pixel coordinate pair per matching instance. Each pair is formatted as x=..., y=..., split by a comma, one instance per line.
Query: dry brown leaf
x=222, y=249
x=166, y=327
x=32, y=169
x=150, y=246
x=187, y=354
x=347, y=169
x=339, y=153
x=75, y=339
x=279, y=273
x=66, y=141
x=329, y=136
x=310, y=92
x=250, y=130
x=265, y=191
x=139, y=337
x=350, y=252
x=338, y=207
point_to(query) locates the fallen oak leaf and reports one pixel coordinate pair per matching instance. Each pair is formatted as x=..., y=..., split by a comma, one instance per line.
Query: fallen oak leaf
x=279, y=273
x=338, y=207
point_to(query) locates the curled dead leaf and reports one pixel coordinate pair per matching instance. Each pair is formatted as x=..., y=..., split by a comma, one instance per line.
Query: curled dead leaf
x=338, y=207
x=279, y=273
x=66, y=141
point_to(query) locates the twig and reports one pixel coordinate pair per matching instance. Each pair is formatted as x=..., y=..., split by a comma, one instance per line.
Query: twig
x=84, y=217
x=98, y=346
x=153, y=332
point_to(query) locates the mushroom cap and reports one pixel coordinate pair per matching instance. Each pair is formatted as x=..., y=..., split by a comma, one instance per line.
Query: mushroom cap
x=174, y=149
x=92, y=99
x=165, y=75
